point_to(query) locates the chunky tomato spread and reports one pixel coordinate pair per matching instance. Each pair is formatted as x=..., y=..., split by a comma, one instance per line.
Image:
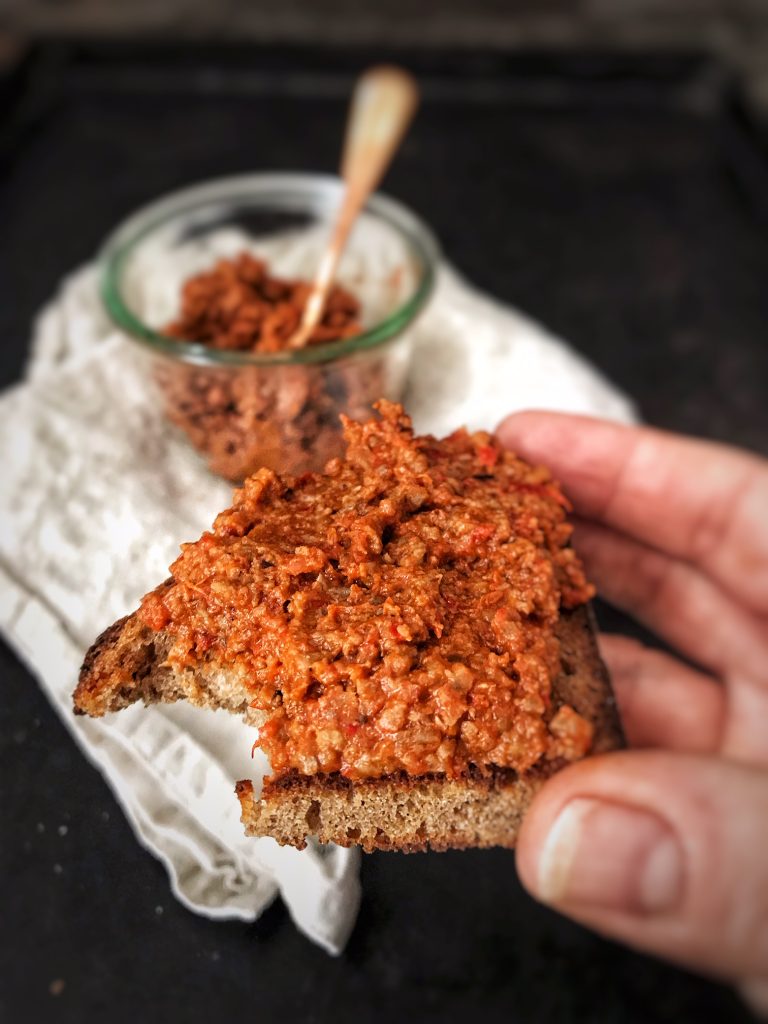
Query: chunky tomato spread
x=239, y=305
x=396, y=613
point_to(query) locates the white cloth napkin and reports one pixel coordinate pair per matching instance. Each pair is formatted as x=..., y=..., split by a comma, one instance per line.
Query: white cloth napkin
x=97, y=494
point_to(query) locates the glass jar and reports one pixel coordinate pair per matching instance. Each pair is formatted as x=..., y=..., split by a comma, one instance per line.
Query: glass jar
x=239, y=409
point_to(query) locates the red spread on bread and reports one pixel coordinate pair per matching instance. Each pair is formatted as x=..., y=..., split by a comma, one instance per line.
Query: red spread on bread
x=395, y=613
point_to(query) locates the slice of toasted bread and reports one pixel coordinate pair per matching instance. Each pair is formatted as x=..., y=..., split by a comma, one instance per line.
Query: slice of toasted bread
x=127, y=664
x=408, y=629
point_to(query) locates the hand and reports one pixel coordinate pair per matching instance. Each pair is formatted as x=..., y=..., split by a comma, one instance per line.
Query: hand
x=665, y=846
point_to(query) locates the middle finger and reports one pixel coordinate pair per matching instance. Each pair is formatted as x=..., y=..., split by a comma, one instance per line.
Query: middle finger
x=675, y=600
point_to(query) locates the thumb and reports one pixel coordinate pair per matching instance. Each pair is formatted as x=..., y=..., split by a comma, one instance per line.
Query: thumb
x=666, y=852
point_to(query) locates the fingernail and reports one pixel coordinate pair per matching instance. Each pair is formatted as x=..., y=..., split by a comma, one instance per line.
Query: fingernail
x=612, y=856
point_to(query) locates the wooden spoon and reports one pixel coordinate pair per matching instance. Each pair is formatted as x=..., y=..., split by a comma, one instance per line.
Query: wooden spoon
x=383, y=103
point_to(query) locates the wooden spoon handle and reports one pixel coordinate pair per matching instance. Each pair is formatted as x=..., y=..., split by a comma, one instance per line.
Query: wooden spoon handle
x=383, y=103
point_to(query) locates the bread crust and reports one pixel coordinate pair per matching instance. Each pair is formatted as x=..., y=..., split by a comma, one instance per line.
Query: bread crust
x=411, y=815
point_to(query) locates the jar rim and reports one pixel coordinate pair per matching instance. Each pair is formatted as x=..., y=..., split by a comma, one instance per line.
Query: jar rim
x=119, y=246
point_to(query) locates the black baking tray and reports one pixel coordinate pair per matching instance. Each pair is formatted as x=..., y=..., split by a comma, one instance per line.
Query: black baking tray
x=621, y=200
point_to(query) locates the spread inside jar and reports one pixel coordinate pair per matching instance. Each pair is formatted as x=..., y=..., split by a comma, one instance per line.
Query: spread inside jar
x=395, y=613
x=239, y=305
x=243, y=417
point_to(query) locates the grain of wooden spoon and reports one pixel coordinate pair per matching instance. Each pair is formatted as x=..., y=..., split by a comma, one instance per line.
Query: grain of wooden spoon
x=383, y=103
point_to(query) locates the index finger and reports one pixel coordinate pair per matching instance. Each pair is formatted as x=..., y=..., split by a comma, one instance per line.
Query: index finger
x=703, y=502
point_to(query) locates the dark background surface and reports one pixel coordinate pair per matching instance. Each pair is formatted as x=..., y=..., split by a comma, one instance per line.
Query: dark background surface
x=624, y=202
